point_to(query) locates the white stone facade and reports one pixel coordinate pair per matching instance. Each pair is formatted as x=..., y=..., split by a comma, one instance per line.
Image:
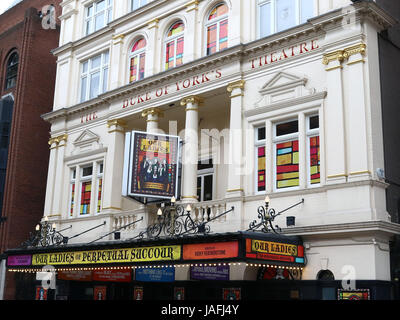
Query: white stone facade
x=327, y=66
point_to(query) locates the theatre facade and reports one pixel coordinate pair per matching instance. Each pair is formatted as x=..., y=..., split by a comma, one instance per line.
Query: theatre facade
x=221, y=149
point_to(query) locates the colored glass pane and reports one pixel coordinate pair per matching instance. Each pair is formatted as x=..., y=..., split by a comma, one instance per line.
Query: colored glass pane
x=99, y=190
x=315, y=176
x=72, y=200
x=260, y=168
x=86, y=190
x=169, y=54
x=176, y=29
x=223, y=35
x=218, y=11
x=179, y=51
x=134, y=66
x=140, y=44
x=212, y=39
x=287, y=164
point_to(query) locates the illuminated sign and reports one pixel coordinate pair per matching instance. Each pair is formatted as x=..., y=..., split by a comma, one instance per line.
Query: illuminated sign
x=205, y=251
x=141, y=254
x=275, y=251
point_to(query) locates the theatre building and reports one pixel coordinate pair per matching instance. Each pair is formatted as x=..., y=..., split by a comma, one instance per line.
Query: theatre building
x=215, y=150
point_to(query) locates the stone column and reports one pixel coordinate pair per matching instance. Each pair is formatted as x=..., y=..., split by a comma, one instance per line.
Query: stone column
x=235, y=192
x=190, y=149
x=336, y=170
x=113, y=167
x=60, y=142
x=235, y=174
x=48, y=204
x=152, y=117
x=356, y=137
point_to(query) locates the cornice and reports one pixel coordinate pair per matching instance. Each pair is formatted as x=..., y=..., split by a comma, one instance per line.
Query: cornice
x=343, y=228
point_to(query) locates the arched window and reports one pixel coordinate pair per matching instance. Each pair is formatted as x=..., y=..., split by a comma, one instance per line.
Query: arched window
x=137, y=59
x=12, y=71
x=174, y=45
x=217, y=29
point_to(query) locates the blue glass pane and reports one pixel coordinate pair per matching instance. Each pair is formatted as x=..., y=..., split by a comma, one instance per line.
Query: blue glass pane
x=265, y=20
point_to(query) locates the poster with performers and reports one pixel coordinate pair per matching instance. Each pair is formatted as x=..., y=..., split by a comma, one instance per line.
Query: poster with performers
x=153, y=165
x=357, y=294
x=41, y=293
x=231, y=294
x=138, y=293
x=179, y=293
x=100, y=293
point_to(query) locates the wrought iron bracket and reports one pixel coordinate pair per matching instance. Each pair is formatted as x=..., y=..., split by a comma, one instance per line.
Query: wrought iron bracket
x=266, y=217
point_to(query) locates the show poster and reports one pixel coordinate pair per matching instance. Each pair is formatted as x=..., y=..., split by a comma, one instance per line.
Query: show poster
x=154, y=165
x=138, y=293
x=360, y=294
x=41, y=293
x=231, y=294
x=100, y=293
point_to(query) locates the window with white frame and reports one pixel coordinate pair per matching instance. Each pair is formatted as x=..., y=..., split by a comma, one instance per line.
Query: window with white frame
x=136, y=4
x=205, y=177
x=217, y=29
x=174, y=45
x=86, y=188
x=286, y=160
x=137, y=60
x=278, y=15
x=94, y=76
x=97, y=15
x=313, y=154
x=260, y=159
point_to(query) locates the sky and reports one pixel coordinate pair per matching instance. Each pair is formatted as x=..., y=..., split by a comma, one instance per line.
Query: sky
x=5, y=4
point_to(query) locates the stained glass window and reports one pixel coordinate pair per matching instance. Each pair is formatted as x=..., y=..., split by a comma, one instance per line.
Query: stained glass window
x=314, y=150
x=260, y=159
x=261, y=169
x=287, y=164
x=71, y=212
x=314, y=160
x=137, y=60
x=86, y=191
x=99, y=186
x=174, y=46
x=99, y=191
x=217, y=29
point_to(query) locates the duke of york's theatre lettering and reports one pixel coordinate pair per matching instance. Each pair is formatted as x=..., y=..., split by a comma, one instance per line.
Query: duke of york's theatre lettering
x=179, y=85
x=283, y=54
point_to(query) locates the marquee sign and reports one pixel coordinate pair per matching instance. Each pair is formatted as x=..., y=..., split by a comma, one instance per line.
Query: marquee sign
x=151, y=165
x=275, y=251
x=141, y=254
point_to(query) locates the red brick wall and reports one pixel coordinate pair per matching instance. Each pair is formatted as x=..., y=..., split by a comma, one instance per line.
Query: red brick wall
x=28, y=156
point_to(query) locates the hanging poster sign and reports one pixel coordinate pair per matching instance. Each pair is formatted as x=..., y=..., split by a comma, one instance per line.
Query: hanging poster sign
x=75, y=275
x=166, y=274
x=151, y=165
